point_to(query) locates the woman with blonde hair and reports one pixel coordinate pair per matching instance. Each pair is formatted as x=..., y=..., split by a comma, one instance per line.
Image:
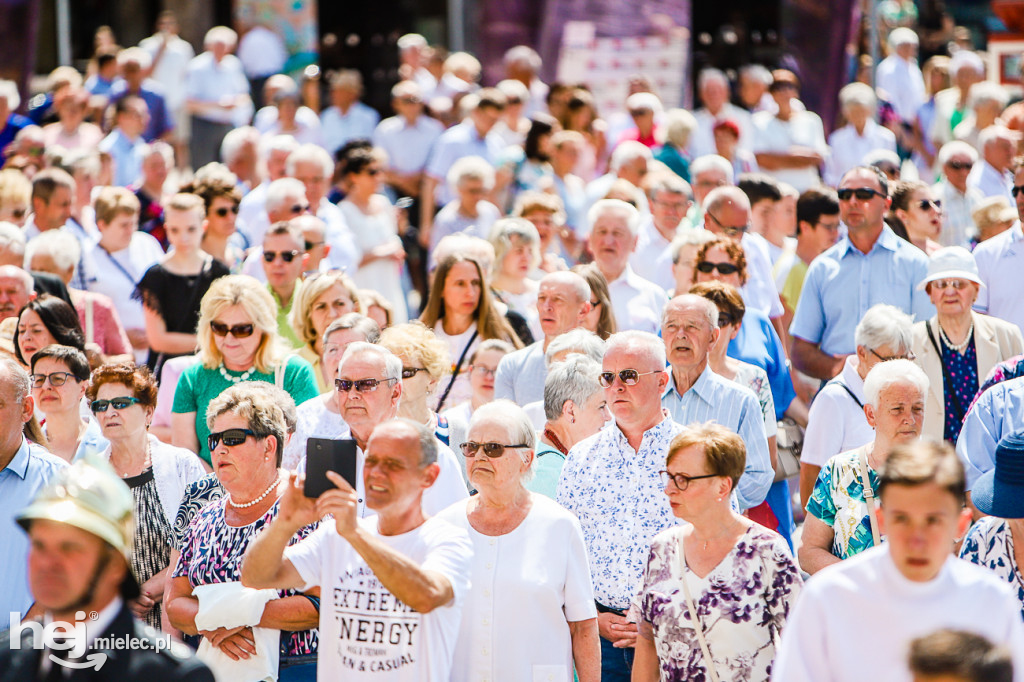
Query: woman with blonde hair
x=462, y=313
x=238, y=341
x=322, y=298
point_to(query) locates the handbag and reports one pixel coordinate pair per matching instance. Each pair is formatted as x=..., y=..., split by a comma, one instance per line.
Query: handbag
x=789, y=443
x=698, y=628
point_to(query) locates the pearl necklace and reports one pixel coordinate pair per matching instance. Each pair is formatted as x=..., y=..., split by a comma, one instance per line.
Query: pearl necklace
x=235, y=380
x=958, y=347
x=259, y=499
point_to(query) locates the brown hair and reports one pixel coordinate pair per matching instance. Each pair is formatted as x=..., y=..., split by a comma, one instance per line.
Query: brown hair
x=489, y=322
x=724, y=451
x=111, y=202
x=725, y=296
x=964, y=655
x=136, y=377
x=731, y=248
x=924, y=462
x=599, y=292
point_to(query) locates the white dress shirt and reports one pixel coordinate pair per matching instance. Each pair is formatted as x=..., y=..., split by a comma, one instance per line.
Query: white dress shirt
x=1000, y=264
x=903, y=84
x=990, y=182
x=848, y=149
x=637, y=302
x=652, y=255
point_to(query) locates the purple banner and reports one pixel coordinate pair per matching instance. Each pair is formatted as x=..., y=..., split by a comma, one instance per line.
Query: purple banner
x=19, y=25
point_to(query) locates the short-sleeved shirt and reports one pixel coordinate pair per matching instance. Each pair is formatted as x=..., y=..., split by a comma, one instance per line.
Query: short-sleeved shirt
x=838, y=501
x=199, y=385
x=455, y=143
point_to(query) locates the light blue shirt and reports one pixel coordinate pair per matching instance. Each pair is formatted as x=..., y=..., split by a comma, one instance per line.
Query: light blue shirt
x=338, y=128
x=127, y=155
x=714, y=398
x=408, y=146
x=455, y=143
x=520, y=377
x=843, y=283
x=28, y=472
x=998, y=412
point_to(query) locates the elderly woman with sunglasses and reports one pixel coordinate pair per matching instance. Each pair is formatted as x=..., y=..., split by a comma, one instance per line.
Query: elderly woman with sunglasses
x=60, y=375
x=530, y=610
x=122, y=400
x=238, y=341
x=957, y=347
x=718, y=589
x=247, y=431
x=322, y=298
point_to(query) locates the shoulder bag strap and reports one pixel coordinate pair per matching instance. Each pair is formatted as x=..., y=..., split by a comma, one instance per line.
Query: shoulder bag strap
x=869, y=497
x=945, y=371
x=846, y=388
x=697, y=626
x=455, y=372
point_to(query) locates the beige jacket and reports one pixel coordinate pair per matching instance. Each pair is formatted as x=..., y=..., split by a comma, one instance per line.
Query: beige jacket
x=995, y=340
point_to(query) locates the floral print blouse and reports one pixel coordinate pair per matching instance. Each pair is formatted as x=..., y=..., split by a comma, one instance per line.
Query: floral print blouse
x=742, y=606
x=989, y=543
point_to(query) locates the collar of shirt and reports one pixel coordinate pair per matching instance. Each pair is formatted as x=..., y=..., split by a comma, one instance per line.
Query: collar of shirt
x=627, y=278
x=886, y=240
x=621, y=443
x=701, y=387
x=19, y=463
x=1016, y=233
x=851, y=378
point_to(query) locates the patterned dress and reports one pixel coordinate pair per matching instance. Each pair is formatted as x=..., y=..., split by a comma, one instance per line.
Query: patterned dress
x=212, y=551
x=742, y=606
x=962, y=370
x=151, y=547
x=989, y=543
x=838, y=501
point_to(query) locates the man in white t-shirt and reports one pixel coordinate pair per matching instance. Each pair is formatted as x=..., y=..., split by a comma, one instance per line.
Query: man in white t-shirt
x=905, y=588
x=393, y=585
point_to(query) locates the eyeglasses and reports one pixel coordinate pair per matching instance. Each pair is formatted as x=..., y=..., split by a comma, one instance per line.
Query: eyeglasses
x=486, y=371
x=630, y=377
x=725, y=320
x=409, y=100
x=1017, y=189
x=299, y=208
x=117, y=403
x=960, y=165
x=883, y=358
x=707, y=267
x=224, y=210
x=230, y=437
x=56, y=379
x=361, y=385
x=492, y=450
x=239, y=331
x=941, y=284
x=681, y=481
x=286, y=256
x=862, y=193
x=309, y=246
x=925, y=204
x=729, y=230
x=410, y=372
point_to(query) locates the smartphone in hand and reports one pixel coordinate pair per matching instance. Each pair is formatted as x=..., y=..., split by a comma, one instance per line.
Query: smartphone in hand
x=323, y=455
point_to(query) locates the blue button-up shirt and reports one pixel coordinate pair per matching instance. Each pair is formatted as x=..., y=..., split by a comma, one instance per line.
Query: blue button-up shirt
x=455, y=143
x=408, y=146
x=29, y=471
x=843, y=283
x=617, y=495
x=998, y=412
x=714, y=398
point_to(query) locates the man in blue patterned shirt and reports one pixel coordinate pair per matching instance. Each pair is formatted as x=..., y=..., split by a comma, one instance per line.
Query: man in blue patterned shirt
x=695, y=394
x=610, y=481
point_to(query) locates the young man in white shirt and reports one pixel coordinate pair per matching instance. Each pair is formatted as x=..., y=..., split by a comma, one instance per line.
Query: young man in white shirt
x=393, y=584
x=905, y=588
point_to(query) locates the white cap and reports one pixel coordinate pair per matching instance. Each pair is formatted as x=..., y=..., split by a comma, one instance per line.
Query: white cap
x=951, y=261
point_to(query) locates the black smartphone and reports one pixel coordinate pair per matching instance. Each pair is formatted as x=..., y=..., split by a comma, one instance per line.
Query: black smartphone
x=323, y=455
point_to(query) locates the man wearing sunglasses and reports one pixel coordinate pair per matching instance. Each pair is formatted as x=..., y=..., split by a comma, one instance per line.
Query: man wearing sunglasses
x=284, y=260
x=956, y=159
x=393, y=584
x=368, y=388
x=611, y=482
x=563, y=302
x=695, y=394
x=869, y=265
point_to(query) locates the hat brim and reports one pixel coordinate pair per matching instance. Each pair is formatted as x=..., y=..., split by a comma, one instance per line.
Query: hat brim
x=997, y=498
x=73, y=514
x=950, y=274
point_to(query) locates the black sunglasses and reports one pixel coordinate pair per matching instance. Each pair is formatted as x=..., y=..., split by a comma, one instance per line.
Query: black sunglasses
x=707, y=267
x=925, y=204
x=230, y=437
x=410, y=372
x=56, y=379
x=681, y=481
x=224, y=210
x=1017, y=189
x=286, y=256
x=118, y=404
x=729, y=230
x=630, y=377
x=960, y=165
x=492, y=450
x=19, y=213
x=239, y=331
x=299, y=208
x=361, y=385
x=309, y=246
x=862, y=193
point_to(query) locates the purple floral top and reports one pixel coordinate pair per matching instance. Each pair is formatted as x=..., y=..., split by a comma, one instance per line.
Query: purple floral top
x=212, y=551
x=742, y=605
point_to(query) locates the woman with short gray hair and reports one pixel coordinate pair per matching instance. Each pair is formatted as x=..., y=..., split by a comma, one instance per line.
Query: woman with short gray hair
x=531, y=586
x=517, y=254
x=575, y=408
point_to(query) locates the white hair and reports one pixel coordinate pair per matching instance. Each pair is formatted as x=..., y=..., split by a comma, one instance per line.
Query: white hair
x=617, y=207
x=703, y=164
x=902, y=36
x=516, y=422
x=993, y=134
x=135, y=55
x=575, y=379
x=310, y=153
x=523, y=54
x=679, y=126
x=280, y=190
x=12, y=239
x=277, y=143
x=633, y=339
x=159, y=147
x=411, y=41
x=986, y=92
x=471, y=168
x=885, y=325
x=392, y=363
x=644, y=101
x=628, y=151
x=579, y=340
x=235, y=140
x=757, y=71
x=13, y=271
x=965, y=59
x=9, y=92
x=886, y=374
x=857, y=94
x=689, y=238
x=708, y=75
x=706, y=305
x=62, y=247
x=221, y=35
x=513, y=88
x=956, y=148
x=879, y=156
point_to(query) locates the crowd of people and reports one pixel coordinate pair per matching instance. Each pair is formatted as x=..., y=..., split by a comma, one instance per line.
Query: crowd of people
x=640, y=395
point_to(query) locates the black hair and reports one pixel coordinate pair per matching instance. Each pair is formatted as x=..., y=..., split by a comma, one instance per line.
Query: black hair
x=814, y=203
x=540, y=125
x=758, y=187
x=59, y=318
x=72, y=358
